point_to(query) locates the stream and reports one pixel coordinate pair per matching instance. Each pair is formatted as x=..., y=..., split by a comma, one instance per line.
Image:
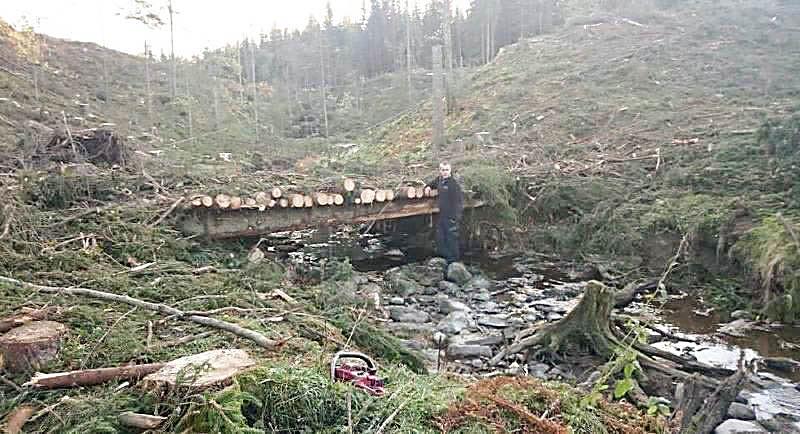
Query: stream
x=471, y=319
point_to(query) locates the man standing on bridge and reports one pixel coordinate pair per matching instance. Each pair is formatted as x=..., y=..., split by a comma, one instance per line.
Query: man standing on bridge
x=451, y=208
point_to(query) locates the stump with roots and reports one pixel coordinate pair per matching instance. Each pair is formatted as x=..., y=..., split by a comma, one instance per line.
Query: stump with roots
x=589, y=330
x=30, y=346
x=586, y=329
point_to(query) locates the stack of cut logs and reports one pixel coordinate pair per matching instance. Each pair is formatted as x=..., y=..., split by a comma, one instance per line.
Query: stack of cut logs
x=279, y=198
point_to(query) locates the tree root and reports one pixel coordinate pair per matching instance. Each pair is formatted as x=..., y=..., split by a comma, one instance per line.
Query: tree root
x=588, y=329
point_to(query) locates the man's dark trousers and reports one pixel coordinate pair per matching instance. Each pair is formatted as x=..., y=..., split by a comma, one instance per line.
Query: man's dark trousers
x=447, y=239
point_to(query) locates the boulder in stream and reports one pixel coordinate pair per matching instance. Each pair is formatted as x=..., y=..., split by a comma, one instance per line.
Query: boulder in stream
x=408, y=314
x=736, y=426
x=454, y=323
x=458, y=273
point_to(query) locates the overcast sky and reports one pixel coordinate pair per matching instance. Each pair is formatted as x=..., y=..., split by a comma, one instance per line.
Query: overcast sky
x=198, y=24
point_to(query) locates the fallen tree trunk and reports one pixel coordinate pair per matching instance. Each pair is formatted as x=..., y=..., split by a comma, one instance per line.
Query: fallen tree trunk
x=697, y=412
x=626, y=295
x=91, y=377
x=252, y=335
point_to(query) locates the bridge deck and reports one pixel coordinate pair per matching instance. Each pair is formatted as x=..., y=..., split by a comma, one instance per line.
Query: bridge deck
x=219, y=224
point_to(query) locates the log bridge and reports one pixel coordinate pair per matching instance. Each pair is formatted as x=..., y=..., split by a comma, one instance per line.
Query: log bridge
x=227, y=216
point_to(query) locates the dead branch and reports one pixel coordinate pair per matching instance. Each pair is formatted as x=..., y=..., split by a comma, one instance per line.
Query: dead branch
x=167, y=212
x=90, y=377
x=7, y=212
x=252, y=335
x=10, y=383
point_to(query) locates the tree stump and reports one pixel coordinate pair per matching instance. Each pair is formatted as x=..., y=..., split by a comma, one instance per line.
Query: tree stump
x=32, y=345
x=586, y=329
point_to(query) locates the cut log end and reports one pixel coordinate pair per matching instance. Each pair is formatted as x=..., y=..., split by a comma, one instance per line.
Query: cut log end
x=223, y=201
x=349, y=185
x=276, y=193
x=32, y=345
x=367, y=196
x=207, y=201
x=262, y=198
x=338, y=199
x=141, y=421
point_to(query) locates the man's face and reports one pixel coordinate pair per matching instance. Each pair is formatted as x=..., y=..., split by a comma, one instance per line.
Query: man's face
x=444, y=170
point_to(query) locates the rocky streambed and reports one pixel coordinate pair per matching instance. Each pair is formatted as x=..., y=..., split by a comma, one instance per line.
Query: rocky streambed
x=459, y=317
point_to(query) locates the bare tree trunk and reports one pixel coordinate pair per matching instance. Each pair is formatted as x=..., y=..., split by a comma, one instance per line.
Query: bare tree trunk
x=241, y=71
x=438, y=101
x=216, y=104
x=448, y=37
x=408, y=55
x=189, y=110
x=36, y=82
x=149, y=96
x=174, y=81
x=107, y=95
x=255, y=89
x=324, y=95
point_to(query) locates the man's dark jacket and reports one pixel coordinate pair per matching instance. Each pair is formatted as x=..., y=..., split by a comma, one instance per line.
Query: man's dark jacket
x=450, y=199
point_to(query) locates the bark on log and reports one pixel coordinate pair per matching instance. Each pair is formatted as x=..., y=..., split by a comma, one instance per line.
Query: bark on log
x=254, y=336
x=30, y=346
x=626, y=295
x=30, y=315
x=91, y=377
x=276, y=193
x=349, y=185
x=141, y=421
x=338, y=199
x=223, y=201
x=697, y=412
x=208, y=201
x=408, y=192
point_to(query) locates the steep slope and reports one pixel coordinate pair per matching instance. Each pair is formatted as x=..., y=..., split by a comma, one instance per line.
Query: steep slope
x=629, y=131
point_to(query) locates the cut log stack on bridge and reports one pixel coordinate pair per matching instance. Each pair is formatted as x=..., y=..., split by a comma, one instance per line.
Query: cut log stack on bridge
x=348, y=193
